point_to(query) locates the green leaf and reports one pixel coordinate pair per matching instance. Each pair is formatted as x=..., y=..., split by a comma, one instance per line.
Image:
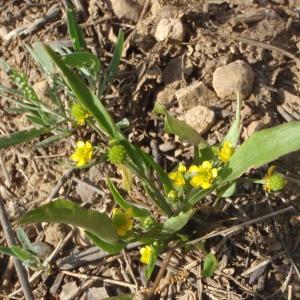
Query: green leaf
x=25, y=241
x=109, y=248
x=22, y=136
x=210, y=265
x=83, y=60
x=75, y=31
x=263, y=147
x=185, y=132
x=234, y=131
x=150, y=266
x=67, y=212
x=112, y=68
x=7, y=251
x=85, y=97
x=21, y=253
x=137, y=212
x=227, y=190
x=52, y=139
x=174, y=224
x=116, y=59
x=41, y=56
x=194, y=197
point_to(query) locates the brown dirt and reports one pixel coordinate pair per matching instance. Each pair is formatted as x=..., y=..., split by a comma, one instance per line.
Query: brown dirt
x=210, y=27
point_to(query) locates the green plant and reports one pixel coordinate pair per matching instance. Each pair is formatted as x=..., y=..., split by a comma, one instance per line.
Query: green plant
x=176, y=194
x=26, y=253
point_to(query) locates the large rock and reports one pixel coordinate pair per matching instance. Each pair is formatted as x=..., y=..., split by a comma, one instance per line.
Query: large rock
x=166, y=96
x=168, y=28
x=236, y=76
x=200, y=118
x=194, y=95
x=128, y=9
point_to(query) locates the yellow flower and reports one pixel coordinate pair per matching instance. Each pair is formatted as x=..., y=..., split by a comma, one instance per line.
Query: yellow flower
x=83, y=153
x=122, y=220
x=226, y=151
x=145, y=254
x=273, y=181
x=178, y=176
x=203, y=176
x=79, y=113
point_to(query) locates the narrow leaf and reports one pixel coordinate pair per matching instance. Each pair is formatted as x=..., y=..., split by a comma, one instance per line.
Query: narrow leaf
x=116, y=59
x=22, y=136
x=137, y=212
x=234, y=131
x=263, y=147
x=150, y=266
x=21, y=253
x=174, y=126
x=25, y=240
x=83, y=60
x=7, y=251
x=67, y=212
x=75, y=31
x=210, y=265
x=176, y=223
x=109, y=248
x=86, y=98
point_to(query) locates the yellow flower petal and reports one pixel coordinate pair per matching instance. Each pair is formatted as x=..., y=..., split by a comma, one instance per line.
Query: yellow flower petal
x=145, y=254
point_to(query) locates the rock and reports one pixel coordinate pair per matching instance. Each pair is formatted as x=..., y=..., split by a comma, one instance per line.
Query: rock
x=256, y=126
x=227, y=80
x=200, y=118
x=41, y=88
x=127, y=9
x=290, y=105
x=167, y=146
x=175, y=69
x=69, y=290
x=42, y=249
x=168, y=28
x=166, y=96
x=96, y=293
x=194, y=95
x=86, y=194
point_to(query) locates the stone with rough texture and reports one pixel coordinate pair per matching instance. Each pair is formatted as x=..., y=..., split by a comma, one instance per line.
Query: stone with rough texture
x=176, y=69
x=166, y=95
x=170, y=29
x=127, y=9
x=193, y=95
x=236, y=76
x=200, y=118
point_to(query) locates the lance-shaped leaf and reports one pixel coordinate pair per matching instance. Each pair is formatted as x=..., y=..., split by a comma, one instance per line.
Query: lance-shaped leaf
x=209, y=266
x=185, y=132
x=75, y=31
x=137, y=212
x=83, y=60
x=174, y=224
x=263, y=147
x=234, y=131
x=85, y=96
x=22, y=136
x=67, y=212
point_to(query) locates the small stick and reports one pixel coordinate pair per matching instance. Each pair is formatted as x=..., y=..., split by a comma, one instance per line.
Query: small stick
x=161, y=271
x=130, y=270
x=9, y=235
x=107, y=280
x=235, y=228
x=5, y=173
